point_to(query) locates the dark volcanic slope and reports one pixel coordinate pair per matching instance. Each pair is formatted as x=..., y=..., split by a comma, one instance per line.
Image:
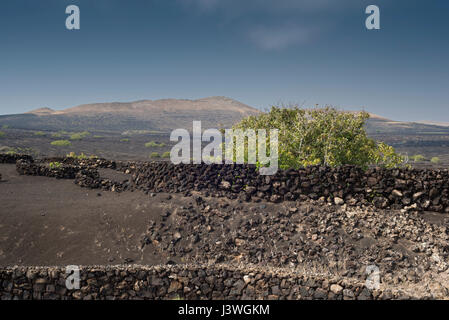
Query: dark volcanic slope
x=377, y=125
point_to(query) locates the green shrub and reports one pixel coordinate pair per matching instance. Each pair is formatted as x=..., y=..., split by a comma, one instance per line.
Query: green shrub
x=151, y=144
x=2, y=134
x=166, y=155
x=322, y=136
x=76, y=136
x=124, y=140
x=7, y=150
x=17, y=150
x=97, y=137
x=55, y=165
x=61, y=143
x=79, y=135
x=155, y=155
x=56, y=135
x=435, y=160
x=154, y=144
x=418, y=157
x=82, y=156
x=140, y=132
x=39, y=133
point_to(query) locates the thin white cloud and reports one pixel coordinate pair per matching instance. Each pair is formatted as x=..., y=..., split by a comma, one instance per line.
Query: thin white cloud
x=272, y=24
x=278, y=38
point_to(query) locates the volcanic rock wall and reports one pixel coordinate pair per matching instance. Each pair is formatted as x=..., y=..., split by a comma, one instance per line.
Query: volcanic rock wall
x=12, y=158
x=178, y=282
x=396, y=188
x=411, y=189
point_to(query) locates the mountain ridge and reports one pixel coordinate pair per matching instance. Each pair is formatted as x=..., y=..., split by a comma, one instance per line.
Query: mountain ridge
x=207, y=103
x=162, y=115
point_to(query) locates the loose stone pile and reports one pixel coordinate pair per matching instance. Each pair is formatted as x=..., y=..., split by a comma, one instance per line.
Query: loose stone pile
x=313, y=236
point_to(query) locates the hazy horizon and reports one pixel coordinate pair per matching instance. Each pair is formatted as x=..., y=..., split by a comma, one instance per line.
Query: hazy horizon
x=258, y=52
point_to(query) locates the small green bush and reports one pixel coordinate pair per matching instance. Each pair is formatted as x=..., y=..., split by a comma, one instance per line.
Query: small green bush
x=154, y=144
x=124, y=140
x=61, y=143
x=435, y=160
x=82, y=156
x=418, y=157
x=155, y=155
x=2, y=134
x=55, y=165
x=17, y=150
x=56, y=135
x=166, y=155
x=76, y=136
x=39, y=133
x=79, y=135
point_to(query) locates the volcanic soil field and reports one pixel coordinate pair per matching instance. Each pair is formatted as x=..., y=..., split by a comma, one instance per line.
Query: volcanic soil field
x=159, y=231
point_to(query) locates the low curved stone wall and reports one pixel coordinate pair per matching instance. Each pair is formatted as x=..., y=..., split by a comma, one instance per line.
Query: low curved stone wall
x=178, y=282
x=24, y=167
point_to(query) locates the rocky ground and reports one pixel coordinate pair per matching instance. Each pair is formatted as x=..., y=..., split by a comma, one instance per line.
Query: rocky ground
x=47, y=221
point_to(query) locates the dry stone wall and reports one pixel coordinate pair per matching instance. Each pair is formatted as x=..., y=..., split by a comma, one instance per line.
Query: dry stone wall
x=410, y=189
x=12, y=158
x=419, y=189
x=178, y=282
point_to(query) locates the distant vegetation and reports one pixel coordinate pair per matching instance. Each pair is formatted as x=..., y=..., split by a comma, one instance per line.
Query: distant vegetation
x=154, y=144
x=124, y=140
x=57, y=135
x=324, y=136
x=17, y=150
x=2, y=134
x=166, y=155
x=79, y=135
x=39, y=133
x=81, y=156
x=155, y=155
x=435, y=160
x=61, y=143
x=418, y=157
x=5, y=126
x=139, y=132
x=97, y=137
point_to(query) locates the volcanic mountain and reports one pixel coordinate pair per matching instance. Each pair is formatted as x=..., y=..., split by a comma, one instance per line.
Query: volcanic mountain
x=157, y=115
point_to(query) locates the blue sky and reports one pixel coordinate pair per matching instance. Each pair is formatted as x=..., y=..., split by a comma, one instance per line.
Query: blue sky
x=259, y=52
